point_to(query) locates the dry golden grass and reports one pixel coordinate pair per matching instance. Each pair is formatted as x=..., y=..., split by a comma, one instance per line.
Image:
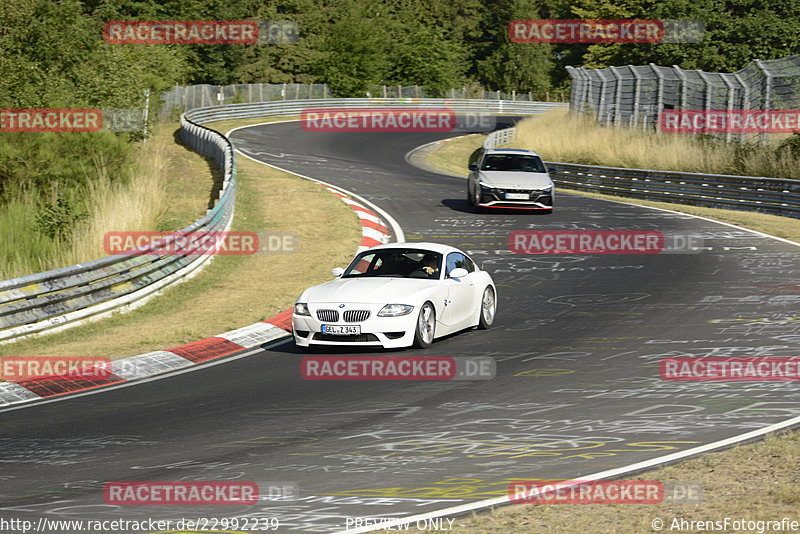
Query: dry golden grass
x=134, y=206
x=572, y=138
x=758, y=481
x=232, y=291
x=453, y=155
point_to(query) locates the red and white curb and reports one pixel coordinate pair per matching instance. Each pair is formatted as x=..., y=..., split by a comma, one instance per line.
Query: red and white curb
x=373, y=232
x=373, y=229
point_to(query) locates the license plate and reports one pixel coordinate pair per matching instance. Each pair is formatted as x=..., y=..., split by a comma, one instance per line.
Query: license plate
x=346, y=330
x=517, y=196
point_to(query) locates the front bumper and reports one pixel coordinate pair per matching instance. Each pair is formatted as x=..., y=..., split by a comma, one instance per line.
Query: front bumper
x=496, y=198
x=386, y=332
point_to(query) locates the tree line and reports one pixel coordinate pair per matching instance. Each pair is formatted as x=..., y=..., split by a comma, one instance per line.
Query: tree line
x=53, y=53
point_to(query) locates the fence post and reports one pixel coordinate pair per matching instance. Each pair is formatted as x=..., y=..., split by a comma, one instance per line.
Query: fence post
x=659, y=93
x=576, y=87
x=637, y=90
x=728, y=106
x=601, y=108
x=767, y=94
x=585, y=93
x=684, y=88
x=745, y=98
x=617, y=95
x=706, y=93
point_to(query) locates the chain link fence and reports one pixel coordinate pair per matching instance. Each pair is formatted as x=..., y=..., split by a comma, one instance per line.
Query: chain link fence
x=635, y=96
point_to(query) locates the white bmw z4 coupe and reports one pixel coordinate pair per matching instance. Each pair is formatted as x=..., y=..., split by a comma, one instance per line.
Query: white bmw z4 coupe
x=396, y=295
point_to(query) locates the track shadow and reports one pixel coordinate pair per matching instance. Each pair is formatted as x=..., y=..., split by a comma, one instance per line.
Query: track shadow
x=216, y=173
x=463, y=206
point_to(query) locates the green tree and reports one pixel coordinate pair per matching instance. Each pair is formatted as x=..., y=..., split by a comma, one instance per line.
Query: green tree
x=354, y=52
x=736, y=31
x=516, y=66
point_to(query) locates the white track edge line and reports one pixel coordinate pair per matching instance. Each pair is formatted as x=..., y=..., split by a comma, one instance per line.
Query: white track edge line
x=603, y=474
x=397, y=230
x=609, y=473
x=709, y=219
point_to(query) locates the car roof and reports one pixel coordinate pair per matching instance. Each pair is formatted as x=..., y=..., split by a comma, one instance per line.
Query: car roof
x=510, y=151
x=433, y=247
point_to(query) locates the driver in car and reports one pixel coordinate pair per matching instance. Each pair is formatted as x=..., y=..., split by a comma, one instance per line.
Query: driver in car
x=429, y=267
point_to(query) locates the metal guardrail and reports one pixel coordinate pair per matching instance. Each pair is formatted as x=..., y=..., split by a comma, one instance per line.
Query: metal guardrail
x=295, y=107
x=191, y=97
x=60, y=298
x=778, y=196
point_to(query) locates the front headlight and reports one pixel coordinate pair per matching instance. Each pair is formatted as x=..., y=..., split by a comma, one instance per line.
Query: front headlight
x=395, y=310
x=301, y=308
x=547, y=189
x=486, y=186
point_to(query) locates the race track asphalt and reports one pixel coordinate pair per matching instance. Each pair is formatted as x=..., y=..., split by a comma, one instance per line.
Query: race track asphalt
x=577, y=340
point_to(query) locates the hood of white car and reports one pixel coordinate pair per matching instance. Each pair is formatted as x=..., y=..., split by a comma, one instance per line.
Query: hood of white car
x=515, y=180
x=377, y=290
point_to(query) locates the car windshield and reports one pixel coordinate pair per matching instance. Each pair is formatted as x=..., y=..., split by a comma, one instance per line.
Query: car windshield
x=513, y=162
x=397, y=263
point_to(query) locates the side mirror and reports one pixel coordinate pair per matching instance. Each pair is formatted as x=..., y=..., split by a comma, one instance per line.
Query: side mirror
x=337, y=271
x=473, y=167
x=458, y=272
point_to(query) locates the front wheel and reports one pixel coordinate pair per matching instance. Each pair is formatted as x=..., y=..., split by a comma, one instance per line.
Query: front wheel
x=488, y=308
x=426, y=326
